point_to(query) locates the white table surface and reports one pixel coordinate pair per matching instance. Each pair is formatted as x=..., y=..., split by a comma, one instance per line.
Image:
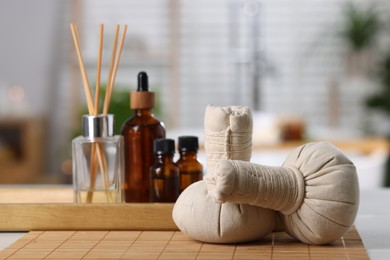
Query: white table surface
x=372, y=222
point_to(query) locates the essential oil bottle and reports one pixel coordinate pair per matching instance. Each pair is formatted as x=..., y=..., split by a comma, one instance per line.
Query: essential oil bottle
x=139, y=133
x=164, y=174
x=191, y=170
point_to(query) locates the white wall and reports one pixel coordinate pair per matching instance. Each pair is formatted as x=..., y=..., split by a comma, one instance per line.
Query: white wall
x=28, y=31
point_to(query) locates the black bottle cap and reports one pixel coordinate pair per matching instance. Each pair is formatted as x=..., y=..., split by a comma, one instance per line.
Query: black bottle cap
x=143, y=84
x=142, y=98
x=188, y=143
x=164, y=146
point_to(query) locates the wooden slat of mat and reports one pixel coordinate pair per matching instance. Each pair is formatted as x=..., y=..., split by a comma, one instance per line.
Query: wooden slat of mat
x=172, y=245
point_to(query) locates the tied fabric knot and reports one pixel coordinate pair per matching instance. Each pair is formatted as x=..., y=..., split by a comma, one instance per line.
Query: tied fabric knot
x=276, y=188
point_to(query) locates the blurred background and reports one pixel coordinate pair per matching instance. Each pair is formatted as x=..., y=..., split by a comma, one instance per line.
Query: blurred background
x=309, y=70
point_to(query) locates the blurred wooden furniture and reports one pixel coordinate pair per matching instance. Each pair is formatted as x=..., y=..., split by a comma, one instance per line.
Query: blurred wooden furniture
x=22, y=148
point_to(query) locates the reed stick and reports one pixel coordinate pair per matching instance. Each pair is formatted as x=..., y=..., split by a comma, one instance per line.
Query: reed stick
x=115, y=68
x=112, y=62
x=115, y=57
x=87, y=88
x=102, y=160
x=91, y=109
x=93, y=174
x=93, y=163
x=99, y=68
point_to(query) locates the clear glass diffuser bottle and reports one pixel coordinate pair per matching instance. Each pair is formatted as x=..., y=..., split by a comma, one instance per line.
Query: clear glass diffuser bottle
x=98, y=165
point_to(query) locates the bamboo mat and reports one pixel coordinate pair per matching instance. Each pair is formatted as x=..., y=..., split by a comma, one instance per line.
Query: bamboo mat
x=171, y=245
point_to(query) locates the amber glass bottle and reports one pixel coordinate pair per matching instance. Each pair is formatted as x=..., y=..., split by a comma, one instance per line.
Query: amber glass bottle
x=139, y=132
x=191, y=170
x=164, y=174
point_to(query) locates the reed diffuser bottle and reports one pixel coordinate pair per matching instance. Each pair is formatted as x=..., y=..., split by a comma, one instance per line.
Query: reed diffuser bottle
x=164, y=174
x=98, y=165
x=139, y=132
x=191, y=170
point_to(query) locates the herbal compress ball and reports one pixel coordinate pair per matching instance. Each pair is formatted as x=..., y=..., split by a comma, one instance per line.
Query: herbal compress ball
x=316, y=190
x=228, y=135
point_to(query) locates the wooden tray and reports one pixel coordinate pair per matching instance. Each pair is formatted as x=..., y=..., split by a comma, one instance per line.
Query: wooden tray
x=172, y=245
x=117, y=232
x=26, y=209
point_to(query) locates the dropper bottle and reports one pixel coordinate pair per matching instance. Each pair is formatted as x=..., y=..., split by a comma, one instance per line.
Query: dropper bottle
x=139, y=133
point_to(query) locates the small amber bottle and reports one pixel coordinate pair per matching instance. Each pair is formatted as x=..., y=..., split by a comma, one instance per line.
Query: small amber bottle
x=191, y=170
x=139, y=132
x=164, y=174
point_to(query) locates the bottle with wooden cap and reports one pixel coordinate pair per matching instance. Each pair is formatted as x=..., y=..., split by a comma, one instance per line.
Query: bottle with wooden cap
x=164, y=174
x=191, y=170
x=139, y=133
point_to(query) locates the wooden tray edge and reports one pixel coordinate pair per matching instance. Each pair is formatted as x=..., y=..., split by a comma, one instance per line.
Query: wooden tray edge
x=72, y=216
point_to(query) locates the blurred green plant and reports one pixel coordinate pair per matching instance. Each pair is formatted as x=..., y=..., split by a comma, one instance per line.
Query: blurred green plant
x=381, y=101
x=361, y=27
x=119, y=107
x=361, y=30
